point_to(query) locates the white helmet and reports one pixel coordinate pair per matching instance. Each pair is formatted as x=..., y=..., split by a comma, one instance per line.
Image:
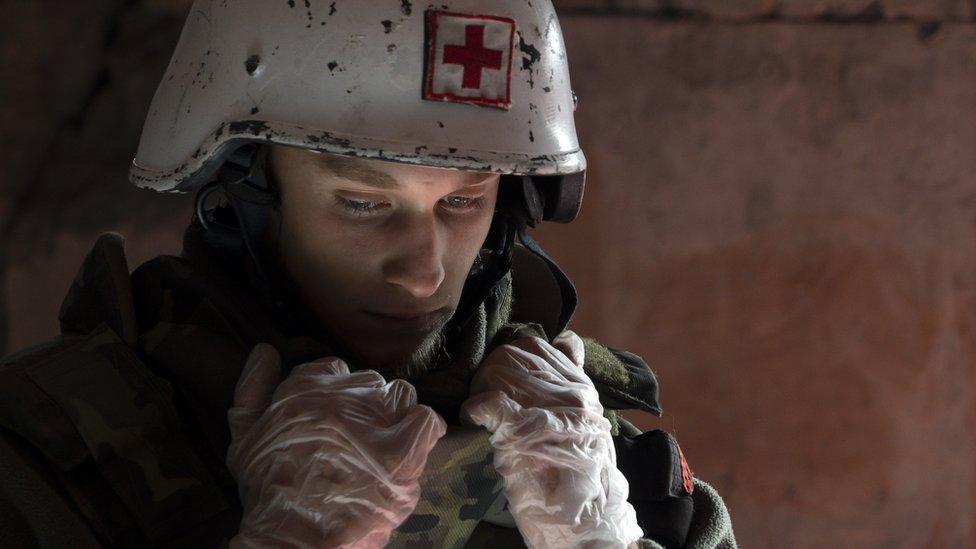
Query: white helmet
x=469, y=85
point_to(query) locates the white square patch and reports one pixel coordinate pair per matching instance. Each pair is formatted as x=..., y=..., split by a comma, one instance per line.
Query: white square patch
x=469, y=59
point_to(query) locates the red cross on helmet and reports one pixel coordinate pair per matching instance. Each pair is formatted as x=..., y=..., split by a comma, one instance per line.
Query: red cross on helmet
x=470, y=85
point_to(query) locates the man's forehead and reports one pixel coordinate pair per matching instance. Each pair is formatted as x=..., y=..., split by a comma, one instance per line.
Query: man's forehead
x=376, y=173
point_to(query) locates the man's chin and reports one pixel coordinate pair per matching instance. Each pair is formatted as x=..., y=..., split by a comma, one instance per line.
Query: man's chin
x=396, y=358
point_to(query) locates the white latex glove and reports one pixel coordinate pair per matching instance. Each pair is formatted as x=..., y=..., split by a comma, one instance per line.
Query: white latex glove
x=327, y=458
x=552, y=445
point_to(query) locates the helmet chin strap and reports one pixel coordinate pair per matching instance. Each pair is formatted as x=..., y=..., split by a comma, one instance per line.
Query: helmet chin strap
x=567, y=291
x=529, y=207
x=238, y=229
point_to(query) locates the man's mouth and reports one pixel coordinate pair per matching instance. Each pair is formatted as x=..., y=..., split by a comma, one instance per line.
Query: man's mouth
x=424, y=320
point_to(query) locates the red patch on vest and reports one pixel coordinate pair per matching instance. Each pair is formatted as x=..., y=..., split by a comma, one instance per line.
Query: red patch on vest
x=687, y=477
x=469, y=59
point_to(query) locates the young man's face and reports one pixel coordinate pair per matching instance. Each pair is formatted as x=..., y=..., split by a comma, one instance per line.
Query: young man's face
x=379, y=251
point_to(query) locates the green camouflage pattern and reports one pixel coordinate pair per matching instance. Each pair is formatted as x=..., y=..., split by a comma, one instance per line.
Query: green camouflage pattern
x=109, y=427
x=458, y=486
x=124, y=417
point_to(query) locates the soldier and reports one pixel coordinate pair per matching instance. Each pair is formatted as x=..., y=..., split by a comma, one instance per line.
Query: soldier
x=360, y=345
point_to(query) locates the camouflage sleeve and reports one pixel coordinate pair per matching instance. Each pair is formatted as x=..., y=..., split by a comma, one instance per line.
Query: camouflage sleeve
x=89, y=413
x=33, y=510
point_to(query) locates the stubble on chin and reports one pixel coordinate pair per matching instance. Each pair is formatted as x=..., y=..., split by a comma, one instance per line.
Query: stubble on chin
x=420, y=361
x=409, y=367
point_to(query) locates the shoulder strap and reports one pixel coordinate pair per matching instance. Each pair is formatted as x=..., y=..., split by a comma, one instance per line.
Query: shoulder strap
x=567, y=292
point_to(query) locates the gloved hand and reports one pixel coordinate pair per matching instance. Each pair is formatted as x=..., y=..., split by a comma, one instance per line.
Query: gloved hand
x=552, y=445
x=328, y=458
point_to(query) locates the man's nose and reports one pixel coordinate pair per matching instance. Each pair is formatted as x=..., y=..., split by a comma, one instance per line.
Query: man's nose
x=416, y=263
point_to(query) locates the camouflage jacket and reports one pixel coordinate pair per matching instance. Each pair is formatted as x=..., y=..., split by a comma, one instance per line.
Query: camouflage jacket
x=115, y=433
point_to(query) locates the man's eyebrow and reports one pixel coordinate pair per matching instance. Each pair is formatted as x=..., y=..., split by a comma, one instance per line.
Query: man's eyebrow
x=354, y=170
x=474, y=178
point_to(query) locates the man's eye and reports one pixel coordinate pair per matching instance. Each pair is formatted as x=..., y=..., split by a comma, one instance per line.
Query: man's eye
x=462, y=202
x=361, y=207
x=361, y=204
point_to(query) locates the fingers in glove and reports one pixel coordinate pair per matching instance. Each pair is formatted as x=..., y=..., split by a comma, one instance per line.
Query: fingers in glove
x=512, y=369
x=325, y=375
x=400, y=396
x=255, y=387
x=535, y=374
x=259, y=378
x=330, y=443
x=490, y=410
x=572, y=346
x=567, y=364
x=376, y=405
x=415, y=435
x=330, y=366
